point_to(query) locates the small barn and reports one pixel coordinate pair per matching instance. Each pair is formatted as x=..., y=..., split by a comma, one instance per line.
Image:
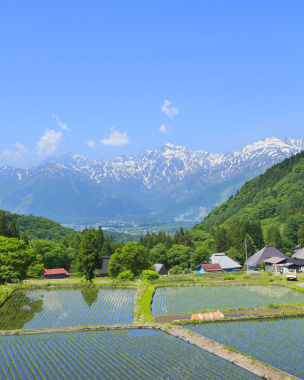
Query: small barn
x=55, y=273
x=102, y=272
x=161, y=269
x=226, y=263
x=209, y=268
x=269, y=251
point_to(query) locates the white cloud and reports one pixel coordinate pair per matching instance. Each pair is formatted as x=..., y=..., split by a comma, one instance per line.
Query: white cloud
x=61, y=124
x=168, y=109
x=163, y=129
x=91, y=143
x=49, y=142
x=116, y=138
x=20, y=152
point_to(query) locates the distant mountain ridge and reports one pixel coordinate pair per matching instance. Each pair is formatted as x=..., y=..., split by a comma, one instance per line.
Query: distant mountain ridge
x=156, y=179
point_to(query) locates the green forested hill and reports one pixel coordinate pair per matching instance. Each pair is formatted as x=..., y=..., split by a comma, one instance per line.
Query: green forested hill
x=275, y=198
x=38, y=227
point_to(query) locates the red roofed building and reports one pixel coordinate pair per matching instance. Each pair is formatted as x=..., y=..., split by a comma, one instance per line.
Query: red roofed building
x=55, y=273
x=205, y=268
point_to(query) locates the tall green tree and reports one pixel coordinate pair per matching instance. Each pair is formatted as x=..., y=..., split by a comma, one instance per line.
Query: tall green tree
x=178, y=255
x=17, y=261
x=301, y=236
x=100, y=238
x=3, y=225
x=89, y=256
x=221, y=241
x=132, y=256
x=13, y=231
x=23, y=236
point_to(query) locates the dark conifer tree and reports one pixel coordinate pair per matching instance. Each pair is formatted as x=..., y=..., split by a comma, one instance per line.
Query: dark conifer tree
x=3, y=225
x=23, y=237
x=100, y=238
x=13, y=230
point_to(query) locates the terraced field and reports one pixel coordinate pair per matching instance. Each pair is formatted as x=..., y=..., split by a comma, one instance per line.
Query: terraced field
x=278, y=342
x=44, y=308
x=118, y=354
x=182, y=300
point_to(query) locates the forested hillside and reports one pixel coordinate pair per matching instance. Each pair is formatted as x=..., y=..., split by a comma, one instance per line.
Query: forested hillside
x=35, y=227
x=275, y=199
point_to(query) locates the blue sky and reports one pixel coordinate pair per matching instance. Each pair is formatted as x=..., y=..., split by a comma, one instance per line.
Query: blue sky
x=107, y=78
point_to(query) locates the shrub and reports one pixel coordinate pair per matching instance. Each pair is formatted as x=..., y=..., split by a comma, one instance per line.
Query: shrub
x=245, y=276
x=187, y=271
x=149, y=275
x=262, y=265
x=268, y=273
x=176, y=270
x=127, y=275
x=229, y=277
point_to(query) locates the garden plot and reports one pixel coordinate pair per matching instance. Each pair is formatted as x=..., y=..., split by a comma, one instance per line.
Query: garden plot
x=278, y=342
x=187, y=299
x=45, y=308
x=116, y=354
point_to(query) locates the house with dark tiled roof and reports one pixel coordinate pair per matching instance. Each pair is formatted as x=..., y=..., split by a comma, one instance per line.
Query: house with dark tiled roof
x=269, y=251
x=102, y=272
x=161, y=269
x=282, y=265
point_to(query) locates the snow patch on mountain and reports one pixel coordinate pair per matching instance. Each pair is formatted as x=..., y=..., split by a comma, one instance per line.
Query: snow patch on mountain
x=168, y=165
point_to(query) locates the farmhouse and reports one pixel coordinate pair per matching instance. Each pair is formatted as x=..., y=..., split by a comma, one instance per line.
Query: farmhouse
x=282, y=265
x=205, y=268
x=299, y=254
x=253, y=262
x=55, y=273
x=105, y=264
x=161, y=269
x=225, y=262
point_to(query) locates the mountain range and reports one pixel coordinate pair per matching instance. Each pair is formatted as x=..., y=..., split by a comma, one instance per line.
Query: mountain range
x=168, y=183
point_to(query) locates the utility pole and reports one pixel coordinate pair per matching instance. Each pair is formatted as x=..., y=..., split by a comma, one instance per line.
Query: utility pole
x=246, y=254
x=190, y=254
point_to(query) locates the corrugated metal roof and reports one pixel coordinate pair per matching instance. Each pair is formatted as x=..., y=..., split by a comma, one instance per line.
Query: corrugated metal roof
x=48, y=272
x=224, y=261
x=211, y=267
x=299, y=254
x=265, y=253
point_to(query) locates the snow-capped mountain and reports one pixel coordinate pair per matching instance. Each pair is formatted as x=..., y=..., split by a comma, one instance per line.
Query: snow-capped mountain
x=170, y=164
x=161, y=177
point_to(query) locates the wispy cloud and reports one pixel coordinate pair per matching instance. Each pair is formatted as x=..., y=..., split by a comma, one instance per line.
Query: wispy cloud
x=49, y=142
x=20, y=152
x=116, y=138
x=169, y=110
x=62, y=125
x=91, y=143
x=163, y=129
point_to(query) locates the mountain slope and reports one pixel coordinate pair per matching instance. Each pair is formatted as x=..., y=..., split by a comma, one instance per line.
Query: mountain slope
x=66, y=200
x=276, y=198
